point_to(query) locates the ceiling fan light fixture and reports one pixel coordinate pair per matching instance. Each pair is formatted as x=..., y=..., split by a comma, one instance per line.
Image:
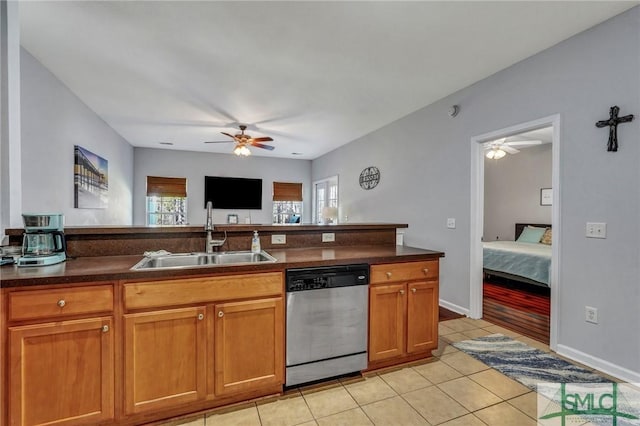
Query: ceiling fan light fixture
x=495, y=154
x=243, y=141
x=241, y=150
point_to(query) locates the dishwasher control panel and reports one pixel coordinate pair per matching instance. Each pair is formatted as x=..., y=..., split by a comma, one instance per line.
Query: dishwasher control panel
x=304, y=279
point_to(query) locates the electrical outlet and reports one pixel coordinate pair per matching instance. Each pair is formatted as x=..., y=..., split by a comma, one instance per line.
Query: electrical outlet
x=591, y=314
x=596, y=230
x=451, y=223
x=328, y=237
x=278, y=239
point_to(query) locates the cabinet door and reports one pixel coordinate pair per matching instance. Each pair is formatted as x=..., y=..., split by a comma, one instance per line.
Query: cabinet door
x=386, y=321
x=249, y=345
x=165, y=359
x=422, y=316
x=61, y=373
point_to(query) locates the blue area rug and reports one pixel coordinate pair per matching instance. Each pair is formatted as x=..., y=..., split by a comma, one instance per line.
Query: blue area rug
x=525, y=364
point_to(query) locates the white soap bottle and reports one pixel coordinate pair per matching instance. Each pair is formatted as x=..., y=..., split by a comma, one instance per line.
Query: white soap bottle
x=255, y=243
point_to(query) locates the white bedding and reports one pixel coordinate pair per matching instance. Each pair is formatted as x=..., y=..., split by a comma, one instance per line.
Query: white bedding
x=529, y=260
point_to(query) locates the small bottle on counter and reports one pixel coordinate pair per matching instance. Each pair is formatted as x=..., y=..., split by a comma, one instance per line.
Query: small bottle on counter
x=255, y=243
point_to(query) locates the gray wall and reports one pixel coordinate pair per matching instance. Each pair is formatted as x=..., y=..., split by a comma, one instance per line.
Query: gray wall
x=196, y=165
x=512, y=191
x=53, y=121
x=424, y=159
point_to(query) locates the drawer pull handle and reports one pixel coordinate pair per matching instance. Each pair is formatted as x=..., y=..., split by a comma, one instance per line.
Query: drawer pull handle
x=61, y=303
x=413, y=290
x=105, y=328
x=200, y=317
x=388, y=274
x=401, y=291
x=425, y=270
x=220, y=314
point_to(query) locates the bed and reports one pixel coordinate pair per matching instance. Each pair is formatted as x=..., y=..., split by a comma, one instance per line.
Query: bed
x=518, y=261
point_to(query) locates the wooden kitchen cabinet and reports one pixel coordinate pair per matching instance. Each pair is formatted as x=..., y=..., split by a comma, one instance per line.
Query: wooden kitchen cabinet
x=200, y=340
x=249, y=345
x=386, y=321
x=422, y=316
x=403, y=312
x=164, y=358
x=60, y=356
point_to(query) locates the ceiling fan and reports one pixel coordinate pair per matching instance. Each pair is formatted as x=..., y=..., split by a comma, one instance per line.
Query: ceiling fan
x=500, y=147
x=243, y=141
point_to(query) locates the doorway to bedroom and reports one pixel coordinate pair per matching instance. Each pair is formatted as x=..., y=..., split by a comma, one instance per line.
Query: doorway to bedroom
x=517, y=232
x=513, y=249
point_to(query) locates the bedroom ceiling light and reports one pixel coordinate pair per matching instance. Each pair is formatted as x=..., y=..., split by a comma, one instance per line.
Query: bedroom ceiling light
x=495, y=154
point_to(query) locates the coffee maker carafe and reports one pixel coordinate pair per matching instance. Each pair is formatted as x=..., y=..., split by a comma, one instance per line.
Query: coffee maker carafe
x=43, y=241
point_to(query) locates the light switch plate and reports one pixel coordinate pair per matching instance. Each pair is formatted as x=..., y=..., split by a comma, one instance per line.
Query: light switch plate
x=596, y=230
x=328, y=237
x=451, y=223
x=278, y=239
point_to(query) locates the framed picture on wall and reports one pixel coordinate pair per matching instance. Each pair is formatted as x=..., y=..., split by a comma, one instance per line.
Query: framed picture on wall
x=546, y=196
x=91, y=180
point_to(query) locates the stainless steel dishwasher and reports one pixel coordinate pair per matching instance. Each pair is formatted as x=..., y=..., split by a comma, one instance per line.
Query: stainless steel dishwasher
x=327, y=316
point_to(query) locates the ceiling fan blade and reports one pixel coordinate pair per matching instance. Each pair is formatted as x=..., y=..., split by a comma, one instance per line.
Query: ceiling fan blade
x=523, y=142
x=219, y=141
x=265, y=139
x=507, y=148
x=227, y=134
x=263, y=146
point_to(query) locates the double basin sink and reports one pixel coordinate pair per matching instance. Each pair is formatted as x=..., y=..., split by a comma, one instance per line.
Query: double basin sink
x=193, y=260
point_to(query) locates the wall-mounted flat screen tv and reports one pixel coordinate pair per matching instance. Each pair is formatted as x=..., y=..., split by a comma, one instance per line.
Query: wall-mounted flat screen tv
x=233, y=193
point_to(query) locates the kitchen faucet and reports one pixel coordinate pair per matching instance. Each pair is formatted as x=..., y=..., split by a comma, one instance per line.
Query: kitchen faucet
x=209, y=227
x=211, y=243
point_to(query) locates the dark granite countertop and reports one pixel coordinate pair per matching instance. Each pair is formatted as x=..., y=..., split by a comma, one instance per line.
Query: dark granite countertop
x=109, y=268
x=132, y=229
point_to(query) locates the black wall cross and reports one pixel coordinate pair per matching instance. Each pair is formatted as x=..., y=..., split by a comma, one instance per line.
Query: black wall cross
x=612, y=122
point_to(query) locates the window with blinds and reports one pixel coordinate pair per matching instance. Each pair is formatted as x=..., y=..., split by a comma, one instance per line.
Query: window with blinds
x=166, y=201
x=287, y=202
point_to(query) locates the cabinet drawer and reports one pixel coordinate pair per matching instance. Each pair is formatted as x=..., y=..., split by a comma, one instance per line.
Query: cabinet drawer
x=189, y=291
x=41, y=304
x=408, y=271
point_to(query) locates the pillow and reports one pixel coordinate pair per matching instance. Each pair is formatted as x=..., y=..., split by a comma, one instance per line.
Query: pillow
x=531, y=234
x=546, y=238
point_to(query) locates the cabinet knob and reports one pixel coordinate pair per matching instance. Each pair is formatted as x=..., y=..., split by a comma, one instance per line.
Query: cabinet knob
x=200, y=317
x=220, y=314
x=426, y=271
x=105, y=328
x=61, y=303
x=401, y=291
x=413, y=290
x=388, y=274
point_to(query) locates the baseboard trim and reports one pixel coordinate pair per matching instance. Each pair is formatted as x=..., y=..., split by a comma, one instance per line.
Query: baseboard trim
x=455, y=308
x=599, y=364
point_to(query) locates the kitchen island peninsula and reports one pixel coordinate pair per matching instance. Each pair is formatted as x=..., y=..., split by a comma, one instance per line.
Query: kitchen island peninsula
x=91, y=341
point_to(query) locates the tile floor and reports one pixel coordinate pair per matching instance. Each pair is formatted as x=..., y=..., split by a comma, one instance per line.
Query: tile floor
x=451, y=389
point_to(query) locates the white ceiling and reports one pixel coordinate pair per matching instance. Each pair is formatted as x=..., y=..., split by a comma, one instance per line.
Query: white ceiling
x=312, y=75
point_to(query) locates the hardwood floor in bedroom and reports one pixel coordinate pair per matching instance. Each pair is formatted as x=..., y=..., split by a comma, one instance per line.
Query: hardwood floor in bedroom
x=524, y=309
x=445, y=314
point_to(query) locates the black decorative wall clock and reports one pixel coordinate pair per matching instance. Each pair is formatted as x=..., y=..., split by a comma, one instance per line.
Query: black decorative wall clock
x=369, y=177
